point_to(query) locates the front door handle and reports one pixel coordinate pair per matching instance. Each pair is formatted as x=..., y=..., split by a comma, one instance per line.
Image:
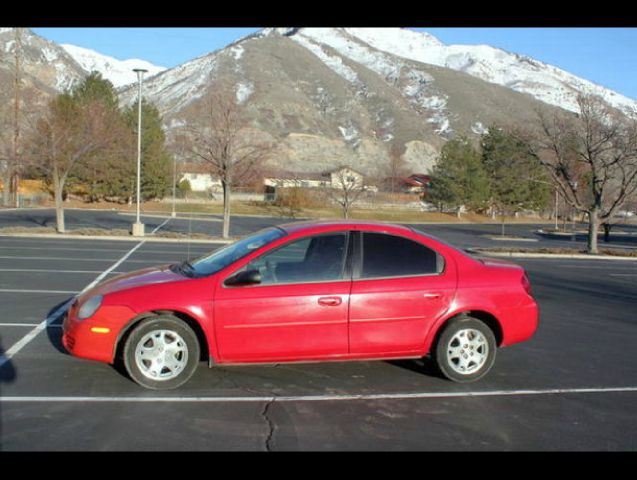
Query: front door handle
x=330, y=301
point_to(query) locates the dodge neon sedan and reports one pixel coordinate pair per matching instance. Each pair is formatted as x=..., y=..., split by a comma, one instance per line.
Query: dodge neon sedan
x=308, y=291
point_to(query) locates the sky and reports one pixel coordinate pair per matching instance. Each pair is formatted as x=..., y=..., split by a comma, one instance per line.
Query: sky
x=606, y=56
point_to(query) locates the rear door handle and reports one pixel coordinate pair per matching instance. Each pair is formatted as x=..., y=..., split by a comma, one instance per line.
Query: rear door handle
x=432, y=295
x=330, y=301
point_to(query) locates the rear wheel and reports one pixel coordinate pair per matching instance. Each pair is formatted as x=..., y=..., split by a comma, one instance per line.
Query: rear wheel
x=161, y=353
x=465, y=350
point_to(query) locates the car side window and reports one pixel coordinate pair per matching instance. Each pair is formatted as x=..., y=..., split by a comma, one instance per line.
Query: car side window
x=393, y=256
x=314, y=259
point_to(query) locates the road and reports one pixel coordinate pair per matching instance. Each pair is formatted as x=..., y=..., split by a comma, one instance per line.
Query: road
x=463, y=235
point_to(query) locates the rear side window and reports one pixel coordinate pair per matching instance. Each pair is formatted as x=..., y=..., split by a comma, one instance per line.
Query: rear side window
x=392, y=256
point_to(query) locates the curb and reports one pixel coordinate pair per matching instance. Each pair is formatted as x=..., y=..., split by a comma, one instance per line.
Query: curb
x=552, y=255
x=510, y=239
x=177, y=217
x=58, y=236
x=583, y=233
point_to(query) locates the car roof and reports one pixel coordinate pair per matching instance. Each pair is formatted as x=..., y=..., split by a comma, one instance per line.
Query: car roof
x=331, y=224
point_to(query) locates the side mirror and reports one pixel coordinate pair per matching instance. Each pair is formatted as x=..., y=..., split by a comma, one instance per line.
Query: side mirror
x=247, y=277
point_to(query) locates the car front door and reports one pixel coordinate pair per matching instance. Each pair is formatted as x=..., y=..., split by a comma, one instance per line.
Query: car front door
x=297, y=311
x=400, y=288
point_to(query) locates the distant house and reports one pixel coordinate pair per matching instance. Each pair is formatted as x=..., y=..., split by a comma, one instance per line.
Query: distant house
x=329, y=179
x=416, y=183
x=345, y=175
x=201, y=182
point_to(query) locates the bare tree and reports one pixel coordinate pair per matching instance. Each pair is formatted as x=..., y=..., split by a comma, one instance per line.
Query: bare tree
x=396, y=167
x=591, y=158
x=15, y=162
x=67, y=134
x=346, y=189
x=10, y=131
x=221, y=139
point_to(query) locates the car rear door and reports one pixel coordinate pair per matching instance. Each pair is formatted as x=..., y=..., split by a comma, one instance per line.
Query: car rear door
x=400, y=287
x=299, y=311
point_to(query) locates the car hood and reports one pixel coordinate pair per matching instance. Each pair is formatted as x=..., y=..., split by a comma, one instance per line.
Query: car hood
x=138, y=278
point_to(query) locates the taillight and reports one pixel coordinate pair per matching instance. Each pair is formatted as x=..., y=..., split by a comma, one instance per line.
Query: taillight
x=526, y=284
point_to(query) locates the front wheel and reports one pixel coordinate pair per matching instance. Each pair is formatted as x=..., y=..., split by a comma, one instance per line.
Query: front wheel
x=465, y=350
x=161, y=353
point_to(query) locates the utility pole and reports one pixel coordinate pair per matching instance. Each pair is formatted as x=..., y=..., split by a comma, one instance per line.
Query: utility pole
x=15, y=167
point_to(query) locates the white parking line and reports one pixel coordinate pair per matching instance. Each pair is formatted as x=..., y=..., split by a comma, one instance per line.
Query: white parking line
x=74, y=259
x=58, y=258
x=25, y=325
x=72, y=249
x=322, y=398
x=38, y=270
x=12, y=290
x=11, y=352
x=120, y=261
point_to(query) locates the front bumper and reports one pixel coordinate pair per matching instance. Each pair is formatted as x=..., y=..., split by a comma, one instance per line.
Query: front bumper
x=96, y=337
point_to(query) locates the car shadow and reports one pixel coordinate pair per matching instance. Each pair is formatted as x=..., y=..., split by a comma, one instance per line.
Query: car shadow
x=54, y=327
x=8, y=374
x=423, y=366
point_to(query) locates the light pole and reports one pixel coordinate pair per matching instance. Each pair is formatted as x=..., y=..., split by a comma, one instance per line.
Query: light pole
x=138, y=226
x=174, y=214
x=556, y=210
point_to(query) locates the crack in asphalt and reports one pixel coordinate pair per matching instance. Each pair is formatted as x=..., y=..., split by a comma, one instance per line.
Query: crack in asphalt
x=264, y=413
x=270, y=423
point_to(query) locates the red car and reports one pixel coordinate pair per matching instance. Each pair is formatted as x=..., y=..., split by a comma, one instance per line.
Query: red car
x=310, y=291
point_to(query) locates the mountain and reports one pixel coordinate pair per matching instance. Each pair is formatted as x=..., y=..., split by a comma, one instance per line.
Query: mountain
x=348, y=95
x=119, y=72
x=518, y=72
x=331, y=96
x=46, y=68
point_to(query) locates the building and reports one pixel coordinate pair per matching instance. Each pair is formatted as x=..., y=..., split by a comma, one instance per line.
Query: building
x=337, y=178
x=201, y=182
x=415, y=183
x=345, y=175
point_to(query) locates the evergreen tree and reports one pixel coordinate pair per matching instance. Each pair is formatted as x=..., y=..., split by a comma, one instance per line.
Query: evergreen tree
x=96, y=88
x=459, y=178
x=517, y=179
x=156, y=168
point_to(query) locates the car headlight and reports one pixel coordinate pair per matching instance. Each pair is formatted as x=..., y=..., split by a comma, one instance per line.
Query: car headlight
x=89, y=307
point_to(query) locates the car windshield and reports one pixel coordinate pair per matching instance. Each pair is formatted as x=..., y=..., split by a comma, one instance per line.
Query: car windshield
x=220, y=259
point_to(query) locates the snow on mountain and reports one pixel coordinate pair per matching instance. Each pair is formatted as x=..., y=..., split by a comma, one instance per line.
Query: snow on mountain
x=416, y=83
x=119, y=72
x=45, y=64
x=177, y=87
x=518, y=72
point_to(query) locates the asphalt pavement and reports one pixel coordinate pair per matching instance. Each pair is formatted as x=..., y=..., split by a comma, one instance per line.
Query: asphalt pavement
x=463, y=235
x=573, y=386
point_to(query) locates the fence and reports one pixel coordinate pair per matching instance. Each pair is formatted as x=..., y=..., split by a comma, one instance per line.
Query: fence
x=29, y=199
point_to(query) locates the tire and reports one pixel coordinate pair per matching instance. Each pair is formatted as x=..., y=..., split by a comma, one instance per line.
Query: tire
x=161, y=353
x=465, y=350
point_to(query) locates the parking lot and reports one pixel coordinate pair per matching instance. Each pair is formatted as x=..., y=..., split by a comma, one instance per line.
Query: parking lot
x=572, y=387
